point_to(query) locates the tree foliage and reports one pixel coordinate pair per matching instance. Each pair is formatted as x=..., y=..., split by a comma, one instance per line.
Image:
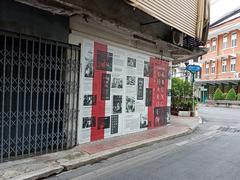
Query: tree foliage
x=238, y=96
x=231, y=95
x=224, y=96
x=181, y=95
x=218, y=95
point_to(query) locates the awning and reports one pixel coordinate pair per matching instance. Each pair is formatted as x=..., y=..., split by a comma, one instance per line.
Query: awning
x=217, y=81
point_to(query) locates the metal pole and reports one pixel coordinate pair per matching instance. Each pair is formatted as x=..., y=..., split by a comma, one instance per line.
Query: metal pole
x=193, y=93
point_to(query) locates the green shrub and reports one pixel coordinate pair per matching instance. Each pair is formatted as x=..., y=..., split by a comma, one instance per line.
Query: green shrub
x=181, y=95
x=218, y=95
x=238, y=96
x=231, y=95
x=224, y=96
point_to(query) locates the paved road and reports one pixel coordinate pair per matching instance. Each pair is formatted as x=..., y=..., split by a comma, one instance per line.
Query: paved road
x=209, y=153
x=220, y=116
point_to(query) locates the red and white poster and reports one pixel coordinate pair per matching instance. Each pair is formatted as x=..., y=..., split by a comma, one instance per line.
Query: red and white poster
x=122, y=92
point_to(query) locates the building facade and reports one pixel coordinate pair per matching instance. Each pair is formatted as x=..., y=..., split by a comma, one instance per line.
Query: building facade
x=221, y=65
x=73, y=72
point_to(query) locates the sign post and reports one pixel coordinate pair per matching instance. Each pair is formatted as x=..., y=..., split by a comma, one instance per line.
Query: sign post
x=193, y=69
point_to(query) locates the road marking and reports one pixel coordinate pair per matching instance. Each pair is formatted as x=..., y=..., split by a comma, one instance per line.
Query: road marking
x=182, y=143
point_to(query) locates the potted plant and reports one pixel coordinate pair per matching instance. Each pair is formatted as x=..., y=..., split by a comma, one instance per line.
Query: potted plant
x=181, y=97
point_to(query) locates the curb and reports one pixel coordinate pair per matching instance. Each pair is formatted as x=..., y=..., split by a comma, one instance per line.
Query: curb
x=107, y=154
x=76, y=163
x=42, y=173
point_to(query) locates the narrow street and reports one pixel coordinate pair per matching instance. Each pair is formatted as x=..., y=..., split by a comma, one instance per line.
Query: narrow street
x=211, y=152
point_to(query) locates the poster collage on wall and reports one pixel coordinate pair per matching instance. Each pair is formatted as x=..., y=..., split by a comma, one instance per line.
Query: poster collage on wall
x=122, y=91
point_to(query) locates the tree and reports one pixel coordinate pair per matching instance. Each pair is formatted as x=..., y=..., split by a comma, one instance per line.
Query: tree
x=231, y=95
x=218, y=95
x=181, y=95
x=238, y=96
x=224, y=96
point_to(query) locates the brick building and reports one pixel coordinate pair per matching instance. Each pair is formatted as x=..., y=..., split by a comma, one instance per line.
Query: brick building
x=221, y=65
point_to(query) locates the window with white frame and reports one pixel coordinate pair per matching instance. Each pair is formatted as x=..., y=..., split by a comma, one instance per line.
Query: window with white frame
x=224, y=65
x=207, y=68
x=234, y=39
x=233, y=64
x=225, y=39
x=214, y=44
x=213, y=67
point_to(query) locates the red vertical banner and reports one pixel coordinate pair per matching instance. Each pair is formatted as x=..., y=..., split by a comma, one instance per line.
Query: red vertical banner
x=98, y=110
x=165, y=74
x=158, y=83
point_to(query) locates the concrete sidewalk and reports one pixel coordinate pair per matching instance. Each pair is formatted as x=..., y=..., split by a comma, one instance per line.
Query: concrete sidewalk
x=54, y=163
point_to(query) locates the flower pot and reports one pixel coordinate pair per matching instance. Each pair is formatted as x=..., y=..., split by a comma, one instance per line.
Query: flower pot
x=184, y=113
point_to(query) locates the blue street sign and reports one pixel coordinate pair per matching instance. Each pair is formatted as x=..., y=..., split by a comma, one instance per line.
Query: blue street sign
x=193, y=68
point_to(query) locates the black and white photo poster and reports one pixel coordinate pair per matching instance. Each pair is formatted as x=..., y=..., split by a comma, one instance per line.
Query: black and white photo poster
x=88, y=122
x=143, y=121
x=114, y=124
x=160, y=115
x=131, y=80
x=88, y=61
x=117, y=104
x=117, y=82
x=103, y=122
x=131, y=62
x=106, y=84
x=104, y=60
x=148, y=97
x=88, y=71
x=130, y=104
x=148, y=69
x=89, y=100
x=140, y=88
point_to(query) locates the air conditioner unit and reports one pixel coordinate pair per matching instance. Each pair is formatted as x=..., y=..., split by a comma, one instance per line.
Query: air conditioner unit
x=177, y=38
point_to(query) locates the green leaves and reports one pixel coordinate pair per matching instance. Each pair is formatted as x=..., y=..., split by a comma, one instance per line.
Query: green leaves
x=181, y=95
x=238, y=96
x=231, y=95
x=218, y=95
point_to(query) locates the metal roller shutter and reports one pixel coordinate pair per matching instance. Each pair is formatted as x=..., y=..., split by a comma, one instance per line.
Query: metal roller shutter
x=180, y=14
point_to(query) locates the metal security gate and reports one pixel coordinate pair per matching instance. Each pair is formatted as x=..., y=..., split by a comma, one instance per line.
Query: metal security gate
x=39, y=86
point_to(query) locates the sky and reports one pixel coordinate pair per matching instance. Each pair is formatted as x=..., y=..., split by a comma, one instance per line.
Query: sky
x=219, y=8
